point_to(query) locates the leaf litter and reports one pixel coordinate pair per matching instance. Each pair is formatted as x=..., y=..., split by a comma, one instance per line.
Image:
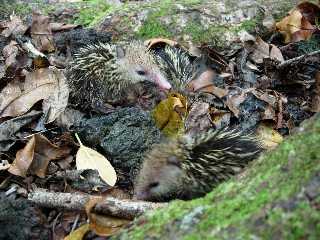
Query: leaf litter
x=259, y=83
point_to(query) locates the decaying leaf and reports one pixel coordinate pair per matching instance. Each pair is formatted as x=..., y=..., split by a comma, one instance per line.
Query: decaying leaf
x=79, y=233
x=41, y=33
x=35, y=157
x=44, y=83
x=55, y=26
x=262, y=50
x=169, y=114
x=10, y=128
x=269, y=137
x=10, y=52
x=88, y=158
x=310, y=11
x=198, y=118
x=14, y=27
x=295, y=27
x=156, y=41
x=57, y=101
x=103, y=225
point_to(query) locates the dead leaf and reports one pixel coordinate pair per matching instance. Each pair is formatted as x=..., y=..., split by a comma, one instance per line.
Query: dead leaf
x=100, y=224
x=269, y=137
x=219, y=118
x=35, y=157
x=295, y=27
x=55, y=26
x=198, y=119
x=153, y=42
x=41, y=33
x=44, y=83
x=24, y=157
x=79, y=233
x=10, y=53
x=88, y=158
x=262, y=50
x=310, y=11
x=10, y=128
x=106, y=225
x=169, y=114
x=233, y=100
x=57, y=101
x=14, y=27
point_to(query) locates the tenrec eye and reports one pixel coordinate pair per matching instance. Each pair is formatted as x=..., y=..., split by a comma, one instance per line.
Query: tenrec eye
x=142, y=73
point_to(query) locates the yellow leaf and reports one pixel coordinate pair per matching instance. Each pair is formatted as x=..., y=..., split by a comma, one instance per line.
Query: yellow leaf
x=106, y=225
x=79, y=233
x=269, y=137
x=169, y=114
x=290, y=24
x=88, y=158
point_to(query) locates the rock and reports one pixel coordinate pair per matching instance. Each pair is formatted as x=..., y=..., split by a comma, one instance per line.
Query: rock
x=19, y=219
x=123, y=136
x=212, y=21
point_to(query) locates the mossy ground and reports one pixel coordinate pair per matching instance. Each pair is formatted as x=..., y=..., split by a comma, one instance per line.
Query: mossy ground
x=268, y=200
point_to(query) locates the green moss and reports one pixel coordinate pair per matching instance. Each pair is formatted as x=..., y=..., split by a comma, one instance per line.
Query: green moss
x=213, y=35
x=153, y=28
x=255, y=204
x=92, y=12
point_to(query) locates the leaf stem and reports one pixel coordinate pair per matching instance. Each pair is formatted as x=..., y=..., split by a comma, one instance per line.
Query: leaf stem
x=78, y=139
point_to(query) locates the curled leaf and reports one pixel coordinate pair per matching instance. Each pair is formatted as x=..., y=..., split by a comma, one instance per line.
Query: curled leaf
x=269, y=137
x=169, y=114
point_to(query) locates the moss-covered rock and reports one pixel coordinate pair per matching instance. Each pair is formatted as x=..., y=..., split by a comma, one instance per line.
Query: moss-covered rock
x=216, y=22
x=278, y=196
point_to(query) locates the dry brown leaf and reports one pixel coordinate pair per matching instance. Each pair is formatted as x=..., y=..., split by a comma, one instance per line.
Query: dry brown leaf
x=106, y=225
x=262, y=50
x=55, y=26
x=44, y=83
x=100, y=224
x=295, y=27
x=24, y=157
x=220, y=118
x=310, y=11
x=88, y=158
x=14, y=27
x=57, y=101
x=234, y=99
x=35, y=157
x=198, y=119
x=10, y=128
x=305, y=33
x=10, y=53
x=41, y=33
x=150, y=43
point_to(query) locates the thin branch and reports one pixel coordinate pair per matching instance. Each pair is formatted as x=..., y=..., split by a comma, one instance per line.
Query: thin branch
x=76, y=202
x=296, y=59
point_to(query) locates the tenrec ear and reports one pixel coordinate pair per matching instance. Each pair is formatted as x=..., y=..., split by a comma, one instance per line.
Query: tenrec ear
x=120, y=52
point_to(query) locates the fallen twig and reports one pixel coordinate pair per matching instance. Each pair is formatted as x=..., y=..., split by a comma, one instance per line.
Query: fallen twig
x=76, y=202
x=296, y=59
